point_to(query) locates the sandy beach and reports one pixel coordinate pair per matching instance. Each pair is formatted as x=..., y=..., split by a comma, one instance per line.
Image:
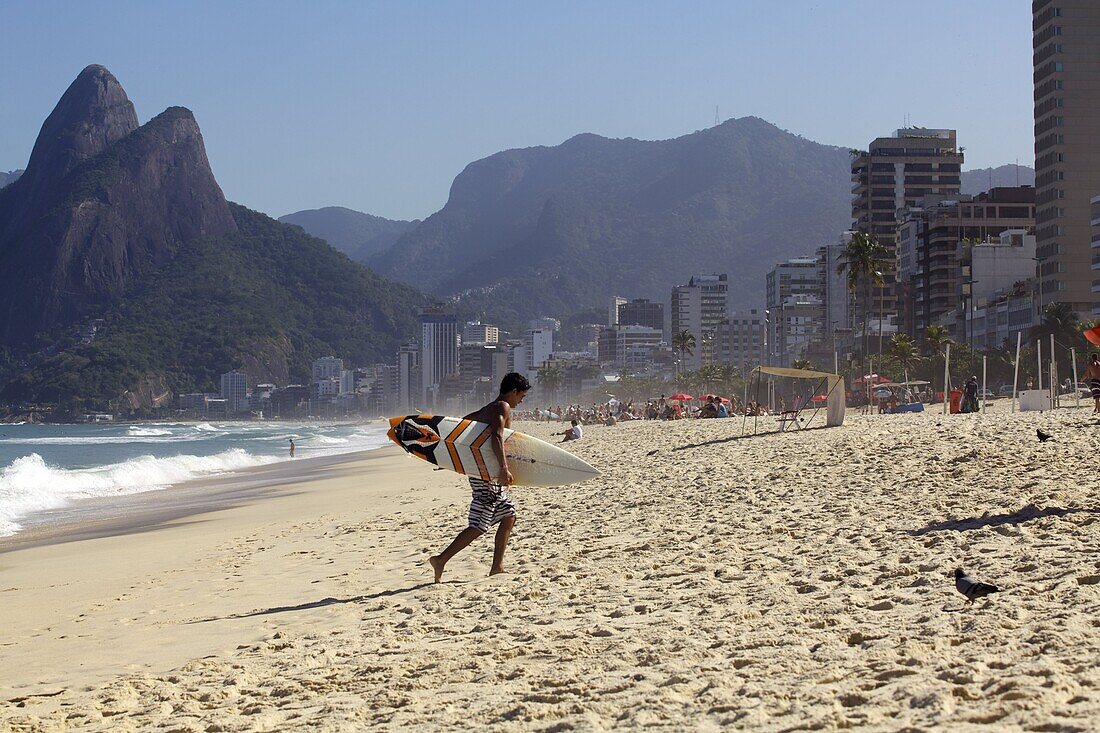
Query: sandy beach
x=796, y=581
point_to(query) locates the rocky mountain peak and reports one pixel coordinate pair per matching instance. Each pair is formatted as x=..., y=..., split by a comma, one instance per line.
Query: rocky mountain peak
x=92, y=113
x=103, y=204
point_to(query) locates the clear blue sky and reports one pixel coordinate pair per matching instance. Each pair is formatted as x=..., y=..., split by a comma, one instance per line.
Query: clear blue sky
x=378, y=105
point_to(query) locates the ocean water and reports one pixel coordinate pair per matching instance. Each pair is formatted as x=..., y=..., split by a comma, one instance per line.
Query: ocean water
x=50, y=466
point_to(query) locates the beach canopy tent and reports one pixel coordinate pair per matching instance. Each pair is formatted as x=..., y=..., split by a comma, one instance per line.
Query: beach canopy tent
x=821, y=383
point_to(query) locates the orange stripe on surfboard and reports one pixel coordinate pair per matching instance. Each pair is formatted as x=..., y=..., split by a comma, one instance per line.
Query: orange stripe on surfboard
x=475, y=448
x=450, y=441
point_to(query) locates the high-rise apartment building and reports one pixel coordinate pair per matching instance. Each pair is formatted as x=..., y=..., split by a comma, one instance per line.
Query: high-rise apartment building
x=796, y=276
x=407, y=393
x=1066, y=45
x=794, y=298
x=740, y=340
x=835, y=295
x=234, y=389
x=480, y=333
x=327, y=367
x=698, y=308
x=439, y=339
x=893, y=173
x=931, y=284
x=613, y=310
x=538, y=347
x=642, y=312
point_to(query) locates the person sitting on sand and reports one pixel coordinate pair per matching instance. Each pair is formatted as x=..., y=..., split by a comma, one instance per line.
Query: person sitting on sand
x=490, y=503
x=573, y=433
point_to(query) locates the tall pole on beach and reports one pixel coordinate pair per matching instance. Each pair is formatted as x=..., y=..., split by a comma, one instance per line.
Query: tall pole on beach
x=1016, y=369
x=1076, y=390
x=1053, y=375
x=1039, y=363
x=982, y=398
x=946, y=378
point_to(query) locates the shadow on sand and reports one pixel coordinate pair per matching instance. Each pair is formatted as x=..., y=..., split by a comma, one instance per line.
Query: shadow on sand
x=746, y=436
x=330, y=601
x=1025, y=514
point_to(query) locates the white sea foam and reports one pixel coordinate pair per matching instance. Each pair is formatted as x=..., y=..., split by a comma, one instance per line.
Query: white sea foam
x=29, y=485
x=147, y=432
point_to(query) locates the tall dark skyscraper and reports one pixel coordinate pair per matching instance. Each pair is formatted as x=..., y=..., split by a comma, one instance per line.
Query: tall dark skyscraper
x=893, y=173
x=1066, y=45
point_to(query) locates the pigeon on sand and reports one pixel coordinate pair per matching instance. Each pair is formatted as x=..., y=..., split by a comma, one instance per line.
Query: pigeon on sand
x=1043, y=437
x=972, y=589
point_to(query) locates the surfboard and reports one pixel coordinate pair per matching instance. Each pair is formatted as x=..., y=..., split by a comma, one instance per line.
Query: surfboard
x=463, y=446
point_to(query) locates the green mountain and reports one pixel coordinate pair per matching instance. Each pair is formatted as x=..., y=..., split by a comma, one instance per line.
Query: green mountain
x=129, y=277
x=559, y=229
x=358, y=235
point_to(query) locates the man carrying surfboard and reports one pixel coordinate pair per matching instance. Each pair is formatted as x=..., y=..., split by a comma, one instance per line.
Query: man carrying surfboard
x=490, y=503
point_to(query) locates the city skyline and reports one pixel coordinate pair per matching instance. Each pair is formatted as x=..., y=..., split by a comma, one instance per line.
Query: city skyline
x=363, y=106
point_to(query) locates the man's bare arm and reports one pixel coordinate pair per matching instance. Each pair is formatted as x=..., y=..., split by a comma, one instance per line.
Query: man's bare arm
x=501, y=420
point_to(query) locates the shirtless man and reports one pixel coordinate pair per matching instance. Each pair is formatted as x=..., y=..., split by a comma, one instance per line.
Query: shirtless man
x=491, y=503
x=1094, y=380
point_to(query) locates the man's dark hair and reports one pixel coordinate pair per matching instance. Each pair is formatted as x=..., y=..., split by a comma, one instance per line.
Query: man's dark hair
x=514, y=380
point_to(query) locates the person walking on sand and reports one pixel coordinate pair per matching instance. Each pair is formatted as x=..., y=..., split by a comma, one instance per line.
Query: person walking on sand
x=1094, y=380
x=490, y=503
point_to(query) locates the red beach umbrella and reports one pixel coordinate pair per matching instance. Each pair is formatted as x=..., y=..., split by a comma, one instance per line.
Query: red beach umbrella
x=1093, y=335
x=681, y=396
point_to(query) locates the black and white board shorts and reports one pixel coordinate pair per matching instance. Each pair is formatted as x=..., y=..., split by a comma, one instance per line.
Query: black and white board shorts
x=489, y=505
x=1094, y=385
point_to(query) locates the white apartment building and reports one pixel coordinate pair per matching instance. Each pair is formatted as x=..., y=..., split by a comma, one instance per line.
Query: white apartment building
x=480, y=333
x=234, y=389
x=327, y=367
x=699, y=308
x=740, y=340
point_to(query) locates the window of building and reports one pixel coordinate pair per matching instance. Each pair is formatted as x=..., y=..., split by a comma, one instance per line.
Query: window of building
x=1058, y=66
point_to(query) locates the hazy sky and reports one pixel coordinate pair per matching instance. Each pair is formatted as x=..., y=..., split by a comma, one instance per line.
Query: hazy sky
x=378, y=105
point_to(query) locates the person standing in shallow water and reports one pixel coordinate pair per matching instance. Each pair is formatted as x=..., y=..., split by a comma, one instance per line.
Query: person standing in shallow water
x=490, y=503
x=292, y=447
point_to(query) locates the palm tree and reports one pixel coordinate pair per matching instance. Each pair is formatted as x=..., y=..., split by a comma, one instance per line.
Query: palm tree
x=864, y=261
x=684, y=343
x=1062, y=322
x=551, y=377
x=936, y=340
x=803, y=364
x=904, y=353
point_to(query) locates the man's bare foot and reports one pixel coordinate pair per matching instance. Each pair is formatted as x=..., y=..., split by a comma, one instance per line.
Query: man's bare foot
x=437, y=564
x=495, y=570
